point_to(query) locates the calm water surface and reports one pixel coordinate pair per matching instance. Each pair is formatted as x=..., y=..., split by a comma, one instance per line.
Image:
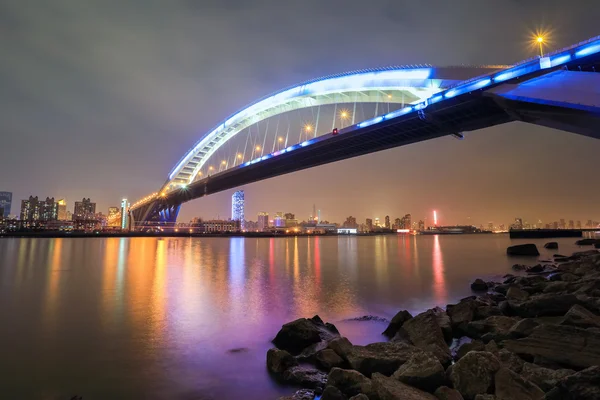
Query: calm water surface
x=147, y=318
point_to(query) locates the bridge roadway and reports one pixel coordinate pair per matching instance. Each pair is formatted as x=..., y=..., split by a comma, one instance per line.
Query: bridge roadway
x=561, y=91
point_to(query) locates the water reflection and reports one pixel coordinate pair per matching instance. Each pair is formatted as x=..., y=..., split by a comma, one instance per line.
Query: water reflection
x=439, y=281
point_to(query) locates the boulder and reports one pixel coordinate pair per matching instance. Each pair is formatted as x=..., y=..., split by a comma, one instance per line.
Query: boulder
x=359, y=397
x=461, y=314
x=302, y=394
x=581, y=317
x=584, y=385
x=349, y=382
x=445, y=393
x=341, y=346
x=396, y=323
x=585, y=242
x=332, y=393
x=544, y=378
x=523, y=328
x=425, y=332
x=544, y=305
x=422, y=371
x=306, y=377
x=497, y=326
x=392, y=389
x=383, y=357
x=443, y=320
x=534, y=269
x=510, y=360
x=519, y=267
x=529, y=249
x=479, y=285
x=279, y=360
x=551, y=245
x=568, y=277
x=566, y=345
x=485, y=397
x=328, y=359
x=474, y=373
x=484, y=312
x=510, y=386
x=475, y=345
x=295, y=336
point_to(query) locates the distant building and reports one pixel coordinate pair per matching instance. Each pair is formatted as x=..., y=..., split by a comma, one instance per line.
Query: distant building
x=407, y=221
x=490, y=226
x=518, y=223
x=290, y=220
x=124, y=214
x=36, y=213
x=113, y=219
x=279, y=220
x=589, y=224
x=555, y=225
x=84, y=209
x=369, y=224
x=5, y=203
x=237, y=208
x=61, y=212
x=387, y=222
x=263, y=221
x=578, y=224
x=502, y=227
x=214, y=226
x=377, y=222
x=421, y=225
x=571, y=224
x=350, y=223
x=562, y=224
x=397, y=223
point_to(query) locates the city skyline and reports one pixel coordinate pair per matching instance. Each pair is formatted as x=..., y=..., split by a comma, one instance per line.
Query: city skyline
x=162, y=107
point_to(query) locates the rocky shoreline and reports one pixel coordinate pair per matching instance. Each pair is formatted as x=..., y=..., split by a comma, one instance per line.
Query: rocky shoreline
x=535, y=336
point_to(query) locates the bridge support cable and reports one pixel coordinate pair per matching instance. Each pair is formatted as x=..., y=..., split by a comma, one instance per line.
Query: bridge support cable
x=354, y=109
x=276, y=137
x=334, y=114
x=262, y=150
x=317, y=122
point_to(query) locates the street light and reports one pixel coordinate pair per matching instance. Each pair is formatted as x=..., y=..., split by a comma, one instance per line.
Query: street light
x=540, y=40
x=239, y=156
x=257, y=148
x=280, y=139
x=223, y=162
x=307, y=127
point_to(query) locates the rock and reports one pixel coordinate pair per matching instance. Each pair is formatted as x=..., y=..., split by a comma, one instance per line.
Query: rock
x=510, y=360
x=349, y=382
x=523, y=328
x=392, y=389
x=562, y=344
x=328, y=359
x=516, y=293
x=421, y=371
x=581, y=317
x=445, y=393
x=396, y=323
x=384, y=357
x=519, y=267
x=461, y=314
x=544, y=378
x=568, y=277
x=484, y=312
x=529, y=249
x=485, y=397
x=479, y=285
x=474, y=373
x=359, y=397
x=510, y=386
x=301, y=333
x=279, y=360
x=597, y=245
x=475, y=345
x=332, y=393
x=551, y=245
x=544, y=305
x=444, y=323
x=341, y=346
x=535, y=269
x=584, y=385
x=306, y=377
x=425, y=332
x=497, y=326
x=302, y=394
x=585, y=242
x=491, y=347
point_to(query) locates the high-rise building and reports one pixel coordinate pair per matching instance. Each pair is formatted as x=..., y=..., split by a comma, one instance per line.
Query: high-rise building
x=377, y=222
x=555, y=225
x=5, y=203
x=263, y=221
x=578, y=224
x=387, y=222
x=421, y=225
x=490, y=226
x=369, y=224
x=407, y=221
x=562, y=224
x=124, y=214
x=61, y=211
x=279, y=220
x=290, y=220
x=518, y=223
x=84, y=209
x=589, y=224
x=397, y=223
x=34, y=211
x=571, y=224
x=350, y=223
x=237, y=208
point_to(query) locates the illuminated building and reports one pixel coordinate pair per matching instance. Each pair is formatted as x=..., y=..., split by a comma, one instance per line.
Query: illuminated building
x=571, y=224
x=279, y=220
x=263, y=221
x=578, y=225
x=124, y=213
x=421, y=225
x=490, y=226
x=84, y=209
x=387, y=222
x=377, y=222
x=237, y=208
x=61, y=211
x=518, y=224
x=562, y=224
x=397, y=223
x=35, y=213
x=406, y=221
x=5, y=203
x=290, y=220
x=369, y=224
x=589, y=224
x=350, y=223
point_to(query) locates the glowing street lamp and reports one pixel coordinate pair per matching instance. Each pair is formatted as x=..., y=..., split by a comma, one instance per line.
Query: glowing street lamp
x=540, y=41
x=308, y=128
x=239, y=156
x=257, y=148
x=223, y=162
x=280, y=139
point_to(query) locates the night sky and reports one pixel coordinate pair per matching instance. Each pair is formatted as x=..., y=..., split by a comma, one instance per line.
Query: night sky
x=101, y=98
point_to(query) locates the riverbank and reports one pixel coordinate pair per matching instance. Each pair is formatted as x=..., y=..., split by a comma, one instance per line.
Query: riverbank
x=535, y=336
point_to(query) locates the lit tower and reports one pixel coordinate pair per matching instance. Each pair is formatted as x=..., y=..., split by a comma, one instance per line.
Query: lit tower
x=237, y=208
x=124, y=213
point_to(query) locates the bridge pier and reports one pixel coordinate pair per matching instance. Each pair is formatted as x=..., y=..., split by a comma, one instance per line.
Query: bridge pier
x=155, y=214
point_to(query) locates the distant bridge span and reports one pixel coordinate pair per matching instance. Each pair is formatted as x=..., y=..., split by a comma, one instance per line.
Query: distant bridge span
x=561, y=90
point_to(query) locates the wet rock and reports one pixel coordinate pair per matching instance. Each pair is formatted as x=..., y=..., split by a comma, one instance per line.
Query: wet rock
x=445, y=393
x=396, y=323
x=303, y=394
x=510, y=360
x=535, y=269
x=384, y=357
x=425, y=332
x=328, y=359
x=551, y=245
x=306, y=377
x=461, y=314
x=584, y=385
x=529, y=249
x=421, y=371
x=568, y=277
x=332, y=393
x=359, y=397
x=279, y=360
x=479, y=285
x=556, y=287
x=349, y=382
x=301, y=333
x=581, y=317
x=519, y=267
x=510, y=386
x=544, y=305
x=341, y=346
x=523, y=328
x=544, y=378
x=392, y=389
x=497, y=326
x=485, y=397
x=562, y=344
x=474, y=373
x=484, y=312
x=475, y=345
x=443, y=320
x=585, y=242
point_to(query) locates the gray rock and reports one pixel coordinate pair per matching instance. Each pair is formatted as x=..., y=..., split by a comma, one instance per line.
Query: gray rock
x=396, y=323
x=302, y=394
x=392, y=389
x=474, y=373
x=581, y=317
x=562, y=344
x=445, y=393
x=444, y=322
x=510, y=360
x=328, y=359
x=475, y=345
x=479, y=285
x=421, y=371
x=279, y=360
x=584, y=385
x=384, y=357
x=461, y=314
x=485, y=397
x=295, y=336
x=425, y=332
x=551, y=245
x=307, y=377
x=341, y=346
x=516, y=293
x=360, y=396
x=568, y=277
x=523, y=328
x=544, y=378
x=484, y=312
x=529, y=249
x=332, y=393
x=510, y=386
x=499, y=326
x=349, y=382
x=544, y=305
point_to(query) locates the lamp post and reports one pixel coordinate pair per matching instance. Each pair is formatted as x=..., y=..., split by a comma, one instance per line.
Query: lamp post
x=540, y=41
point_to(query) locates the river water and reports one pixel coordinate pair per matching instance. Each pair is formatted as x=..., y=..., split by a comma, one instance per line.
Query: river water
x=192, y=318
